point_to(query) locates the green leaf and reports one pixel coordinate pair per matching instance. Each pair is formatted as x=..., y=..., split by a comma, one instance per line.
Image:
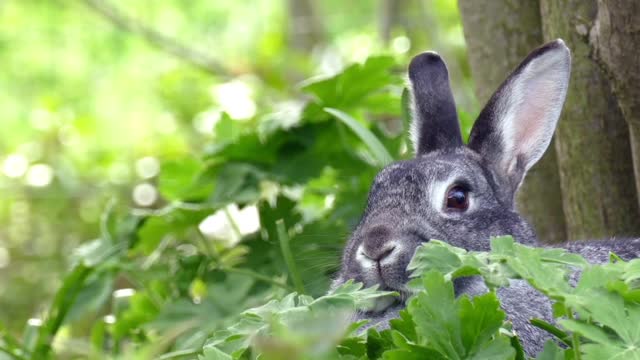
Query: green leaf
x=236, y=182
x=181, y=180
x=481, y=320
x=589, y=331
x=64, y=299
x=141, y=310
x=95, y=293
x=610, y=310
x=455, y=263
x=226, y=129
x=197, y=290
x=405, y=325
x=355, y=346
x=416, y=353
x=405, y=102
x=374, y=145
x=458, y=328
x=551, y=351
x=212, y=353
x=174, y=221
x=502, y=245
x=436, y=255
x=297, y=322
x=610, y=352
x=354, y=84
x=378, y=343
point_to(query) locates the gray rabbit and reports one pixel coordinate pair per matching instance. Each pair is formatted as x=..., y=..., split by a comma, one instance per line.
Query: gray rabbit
x=464, y=194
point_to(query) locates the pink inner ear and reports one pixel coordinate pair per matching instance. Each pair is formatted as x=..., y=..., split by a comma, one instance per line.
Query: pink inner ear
x=536, y=115
x=531, y=121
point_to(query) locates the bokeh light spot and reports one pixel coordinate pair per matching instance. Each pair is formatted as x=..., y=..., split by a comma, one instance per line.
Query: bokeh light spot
x=235, y=98
x=147, y=167
x=15, y=165
x=145, y=194
x=401, y=44
x=39, y=175
x=205, y=121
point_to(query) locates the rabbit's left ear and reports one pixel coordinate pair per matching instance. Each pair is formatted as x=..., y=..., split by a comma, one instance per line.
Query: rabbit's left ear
x=515, y=127
x=435, y=121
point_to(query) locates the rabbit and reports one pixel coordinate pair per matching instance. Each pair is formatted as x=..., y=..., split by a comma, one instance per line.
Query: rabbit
x=465, y=194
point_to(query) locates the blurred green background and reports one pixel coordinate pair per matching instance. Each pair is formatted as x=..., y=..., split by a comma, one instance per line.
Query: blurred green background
x=123, y=107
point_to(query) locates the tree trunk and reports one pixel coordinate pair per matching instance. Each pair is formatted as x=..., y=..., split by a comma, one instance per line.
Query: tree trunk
x=305, y=30
x=592, y=139
x=615, y=36
x=408, y=18
x=389, y=13
x=499, y=34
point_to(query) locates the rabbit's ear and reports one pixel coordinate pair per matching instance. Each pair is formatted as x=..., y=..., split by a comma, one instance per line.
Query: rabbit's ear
x=435, y=121
x=515, y=127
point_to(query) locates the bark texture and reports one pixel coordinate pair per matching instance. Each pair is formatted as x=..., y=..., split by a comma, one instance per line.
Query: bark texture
x=389, y=17
x=305, y=30
x=615, y=37
x=408, y=18
x=592, y=139
x=499, y=34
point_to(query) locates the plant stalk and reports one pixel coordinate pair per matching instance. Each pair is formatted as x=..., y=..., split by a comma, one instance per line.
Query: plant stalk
x=575, y=337
x=258, y=276
x=283, y=237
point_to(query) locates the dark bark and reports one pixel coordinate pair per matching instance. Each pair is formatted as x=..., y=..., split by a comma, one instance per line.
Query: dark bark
x=389, y=17
x=615, y=37
x=305, y=30
x=499, y=34
x=408, y=18
x=592, y=139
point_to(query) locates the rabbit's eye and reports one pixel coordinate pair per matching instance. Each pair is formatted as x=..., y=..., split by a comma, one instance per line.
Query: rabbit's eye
x=458, y=198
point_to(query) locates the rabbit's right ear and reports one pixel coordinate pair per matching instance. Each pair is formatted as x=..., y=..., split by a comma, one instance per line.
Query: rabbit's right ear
x=515, y=127
x=435, y=121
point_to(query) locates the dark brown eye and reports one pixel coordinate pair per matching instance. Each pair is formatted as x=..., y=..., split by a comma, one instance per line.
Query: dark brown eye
x=457, y=198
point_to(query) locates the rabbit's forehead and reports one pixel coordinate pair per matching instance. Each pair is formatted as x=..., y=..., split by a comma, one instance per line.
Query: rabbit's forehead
x=424, y=181
x=459, y=164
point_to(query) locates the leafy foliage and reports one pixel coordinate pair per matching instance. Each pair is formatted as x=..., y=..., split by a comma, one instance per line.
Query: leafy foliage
x=436, y=325
x=597, y=316
x=264, y=210
x=247, y=208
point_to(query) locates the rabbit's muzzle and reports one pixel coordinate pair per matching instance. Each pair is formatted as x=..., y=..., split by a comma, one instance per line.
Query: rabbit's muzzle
x=380, y=255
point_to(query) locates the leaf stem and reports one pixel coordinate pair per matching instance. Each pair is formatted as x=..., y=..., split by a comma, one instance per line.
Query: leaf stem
x=208, y=249
x=283, y=237
x=11, y=353
x=374, y=145
x=131, y=277
x=575, y=337
x=10, y=343
x=258, y=276
x=561, y=335
x=62, y=303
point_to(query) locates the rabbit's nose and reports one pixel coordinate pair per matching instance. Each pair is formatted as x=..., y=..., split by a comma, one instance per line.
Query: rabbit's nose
x=377, y=244
x=379, y=254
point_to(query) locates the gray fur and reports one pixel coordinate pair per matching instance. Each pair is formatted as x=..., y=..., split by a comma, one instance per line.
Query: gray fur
x=406, y=207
